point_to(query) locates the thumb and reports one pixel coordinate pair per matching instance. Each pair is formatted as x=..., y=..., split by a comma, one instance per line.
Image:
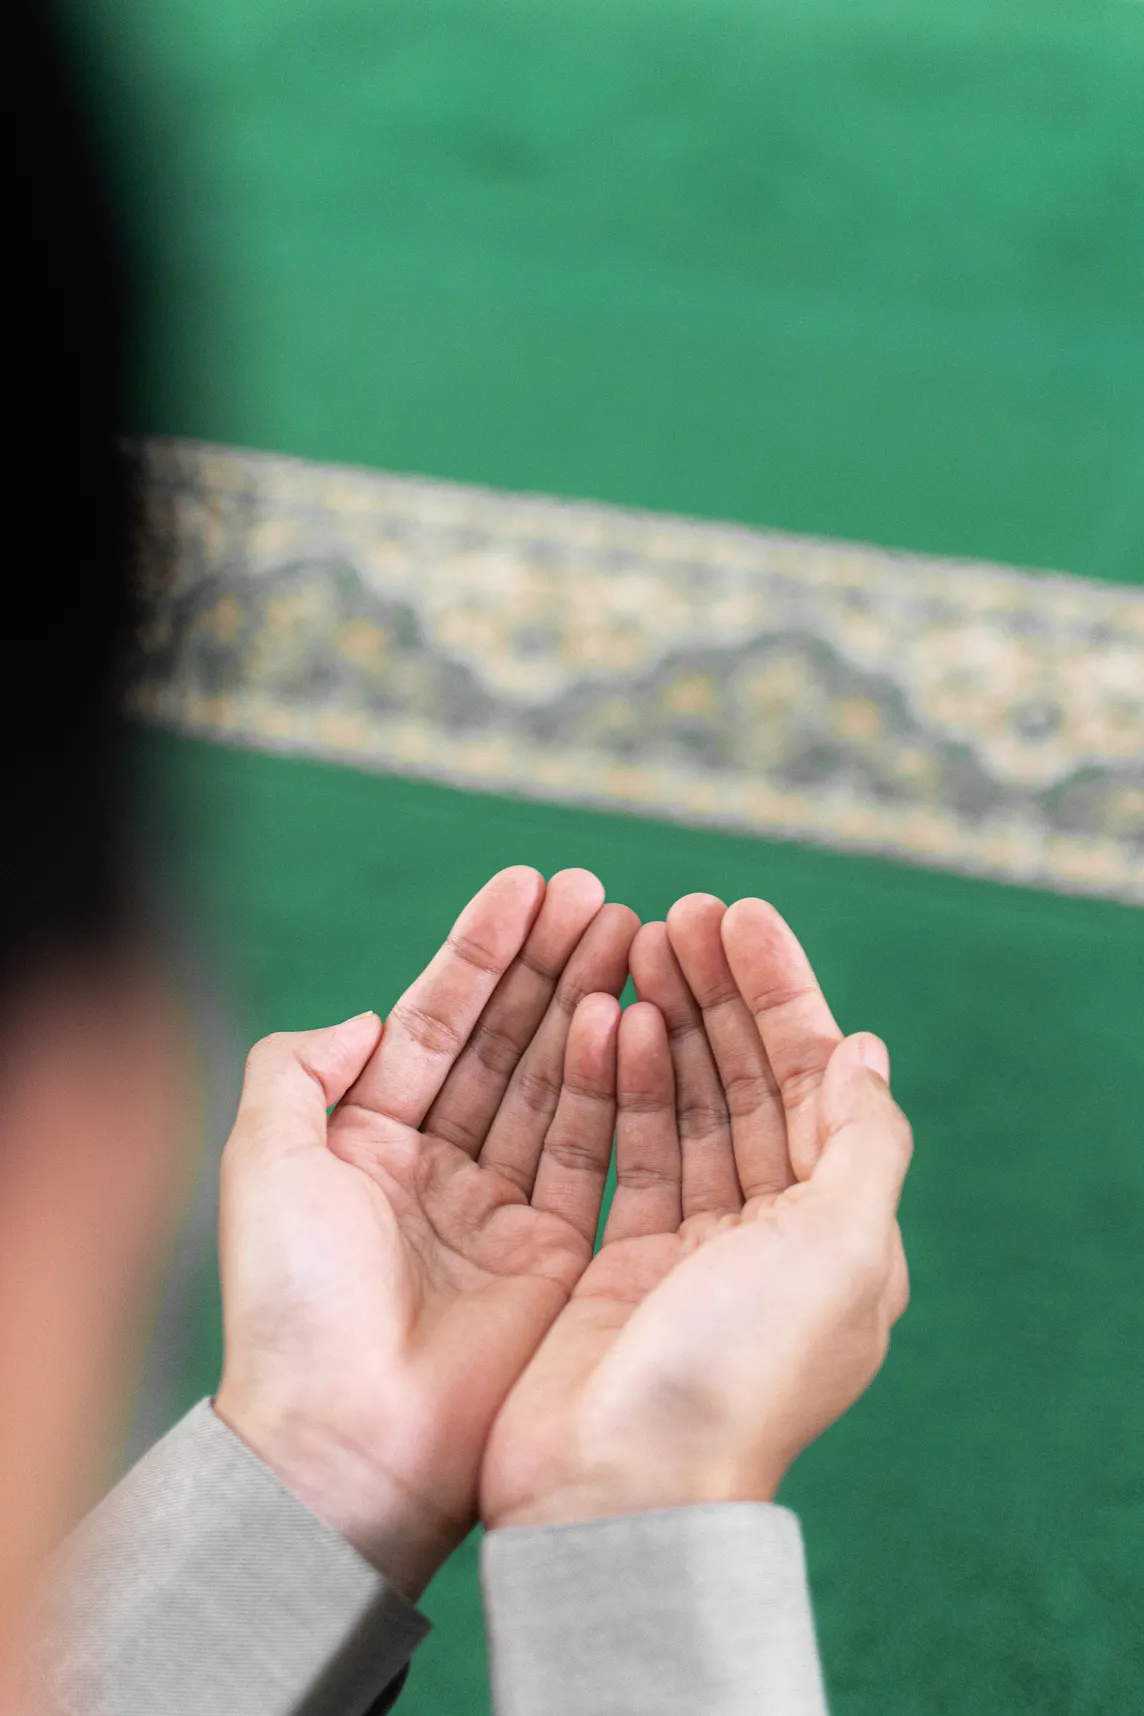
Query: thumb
x=865, y=1139
x=294, y=1077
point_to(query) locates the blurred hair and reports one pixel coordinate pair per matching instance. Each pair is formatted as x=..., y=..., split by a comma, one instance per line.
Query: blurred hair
x=68, y=513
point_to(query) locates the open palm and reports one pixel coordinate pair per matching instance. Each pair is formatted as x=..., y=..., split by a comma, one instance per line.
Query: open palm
x=389, y=1273
x=750, y=1267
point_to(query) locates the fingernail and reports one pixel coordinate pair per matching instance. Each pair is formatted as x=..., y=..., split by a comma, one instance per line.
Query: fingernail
x=873, y=1053
x=368, y=1014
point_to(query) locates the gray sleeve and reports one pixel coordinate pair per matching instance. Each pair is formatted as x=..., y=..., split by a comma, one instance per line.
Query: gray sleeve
x=202, y=1586
x=695, y=1611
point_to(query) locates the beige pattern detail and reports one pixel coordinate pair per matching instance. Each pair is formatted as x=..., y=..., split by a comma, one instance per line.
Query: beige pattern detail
x=950, y=713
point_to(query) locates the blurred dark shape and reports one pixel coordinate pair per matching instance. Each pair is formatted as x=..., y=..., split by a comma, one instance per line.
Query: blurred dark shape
x=68, y=512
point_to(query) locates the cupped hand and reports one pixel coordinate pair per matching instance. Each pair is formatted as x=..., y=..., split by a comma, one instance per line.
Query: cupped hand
x=389, y=1269
x=751, y=1266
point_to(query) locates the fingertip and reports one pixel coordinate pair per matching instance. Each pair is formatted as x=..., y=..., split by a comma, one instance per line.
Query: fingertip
x=690, y=908
x=596, y=1019
x=867, y=1140
x=584, y=886
x=755, y=936
x=642, y=1019
x=642, y=1034
x=644, y=1052
x=360, y=1023
x=655, y=968
x=521, y=879
x=751, y=911
x=599, y=1007
x=500, y=914
x=648, y=944
x=856, y=1083
x=339, y=1052
x=593, y=1033
x=862, y=1051
x=367, y=1026
x=621, y=919
x=333, y=1055
x=873, y=1053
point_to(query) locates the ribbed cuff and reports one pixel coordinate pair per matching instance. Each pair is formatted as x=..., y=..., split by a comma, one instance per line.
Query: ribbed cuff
x=202, y=1585
x=696, y=1609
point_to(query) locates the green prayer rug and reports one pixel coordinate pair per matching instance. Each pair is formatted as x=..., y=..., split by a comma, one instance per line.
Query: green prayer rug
x=974, y=1525
x=702, y=440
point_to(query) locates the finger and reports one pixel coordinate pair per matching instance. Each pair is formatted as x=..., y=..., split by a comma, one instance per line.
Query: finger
x=431, y=1023
x=866, y=1143
x=898, y=1287
x=598, y=966
x=474, y=1088
x=293, y=1078
x=710, y=1178
x=573, y=1167
x=758, y=1122
x=796, y=1026
x=649, y=1188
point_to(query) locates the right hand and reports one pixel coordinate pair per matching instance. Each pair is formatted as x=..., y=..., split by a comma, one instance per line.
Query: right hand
x=752, y=1265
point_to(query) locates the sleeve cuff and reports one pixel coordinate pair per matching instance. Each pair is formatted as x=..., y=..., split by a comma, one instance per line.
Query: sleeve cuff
x=202, y=1585
x=652, y=1614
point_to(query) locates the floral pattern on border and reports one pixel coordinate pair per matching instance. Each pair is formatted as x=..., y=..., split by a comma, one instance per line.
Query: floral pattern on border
x=956, y=714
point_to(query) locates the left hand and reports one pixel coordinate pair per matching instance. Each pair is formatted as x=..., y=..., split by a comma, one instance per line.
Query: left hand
x=389, y=1271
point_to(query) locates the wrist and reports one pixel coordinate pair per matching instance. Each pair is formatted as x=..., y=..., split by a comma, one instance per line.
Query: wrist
x=647, y=1488
x=396, y=1531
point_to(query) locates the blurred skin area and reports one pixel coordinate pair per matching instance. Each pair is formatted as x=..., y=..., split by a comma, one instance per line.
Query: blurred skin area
x=94, y=1086
x=95, y=1081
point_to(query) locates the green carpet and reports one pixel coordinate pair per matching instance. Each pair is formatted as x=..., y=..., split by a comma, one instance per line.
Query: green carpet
x=869, y=272
x=975, y=1525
